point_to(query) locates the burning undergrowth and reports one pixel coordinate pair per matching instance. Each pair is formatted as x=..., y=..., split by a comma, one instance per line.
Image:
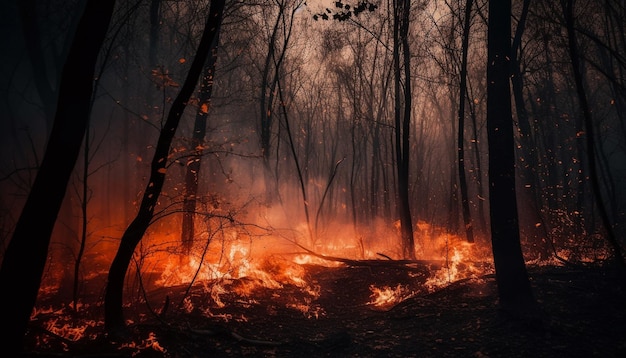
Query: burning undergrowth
x=272, y=281
x=242, y=299
x=243, y=271
x=233, y=278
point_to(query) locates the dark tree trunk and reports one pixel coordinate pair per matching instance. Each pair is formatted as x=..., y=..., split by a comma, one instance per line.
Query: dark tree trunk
x=46, y=78
x=113, y=313
x=407, y=220
x=375, y=172
x=26, y=254
x=403, y=122
x=511, y=276
x=197, y=148
x=467, y=218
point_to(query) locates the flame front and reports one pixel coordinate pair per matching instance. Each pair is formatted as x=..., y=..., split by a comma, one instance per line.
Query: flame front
x=237, y=271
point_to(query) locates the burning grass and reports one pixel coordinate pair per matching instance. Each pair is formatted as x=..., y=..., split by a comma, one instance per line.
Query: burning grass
x=386, y=297
x=243, y=268
x=377, y=308
x=230, y=275
x=259, y=282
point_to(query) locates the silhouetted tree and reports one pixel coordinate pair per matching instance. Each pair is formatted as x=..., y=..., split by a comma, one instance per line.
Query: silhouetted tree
x=114, y=317
x=402, y=120
x=467, y=218
x=511, y=276
x=26, y=254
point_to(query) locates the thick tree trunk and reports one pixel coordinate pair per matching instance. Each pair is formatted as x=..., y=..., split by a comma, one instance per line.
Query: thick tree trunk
x=46, y=78
x=25, y=257
x=513, y=284
x=113, y=313
x=406, y=218
x=402, y=75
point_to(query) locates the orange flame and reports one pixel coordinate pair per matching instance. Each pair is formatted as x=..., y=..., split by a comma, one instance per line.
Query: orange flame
x=462, y=260
x=386, y=297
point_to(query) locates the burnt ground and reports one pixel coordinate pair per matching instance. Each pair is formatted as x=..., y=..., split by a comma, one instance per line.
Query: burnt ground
x=581, y=313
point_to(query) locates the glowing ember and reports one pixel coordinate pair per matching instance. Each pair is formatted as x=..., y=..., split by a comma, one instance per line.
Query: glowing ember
x=72, y=333
x=307, y=309
x=149, y=343
x=386, y=297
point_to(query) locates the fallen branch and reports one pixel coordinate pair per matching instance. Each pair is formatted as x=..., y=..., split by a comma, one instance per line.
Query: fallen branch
x=409, y=264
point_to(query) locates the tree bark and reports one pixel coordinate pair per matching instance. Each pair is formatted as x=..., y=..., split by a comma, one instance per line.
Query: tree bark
x=403, y=122
x=113, y=313
x=511, y=276
x=25, y=257
x=467, y=218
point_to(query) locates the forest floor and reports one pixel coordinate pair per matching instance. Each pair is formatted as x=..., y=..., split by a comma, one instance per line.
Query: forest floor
x=581, y=312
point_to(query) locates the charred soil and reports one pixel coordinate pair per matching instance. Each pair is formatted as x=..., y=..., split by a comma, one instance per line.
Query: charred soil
x=581, y=313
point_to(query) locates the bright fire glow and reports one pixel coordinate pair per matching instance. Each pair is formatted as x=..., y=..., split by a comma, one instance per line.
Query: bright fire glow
x=240, y=270
x=305, y=259
x=243, y=268
x=462, y=260
x=386, y=297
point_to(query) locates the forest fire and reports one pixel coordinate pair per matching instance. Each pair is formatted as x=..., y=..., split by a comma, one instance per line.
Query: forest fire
x=298, y=178
x=231, y=280
x=241, y=272
x=236, y=280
